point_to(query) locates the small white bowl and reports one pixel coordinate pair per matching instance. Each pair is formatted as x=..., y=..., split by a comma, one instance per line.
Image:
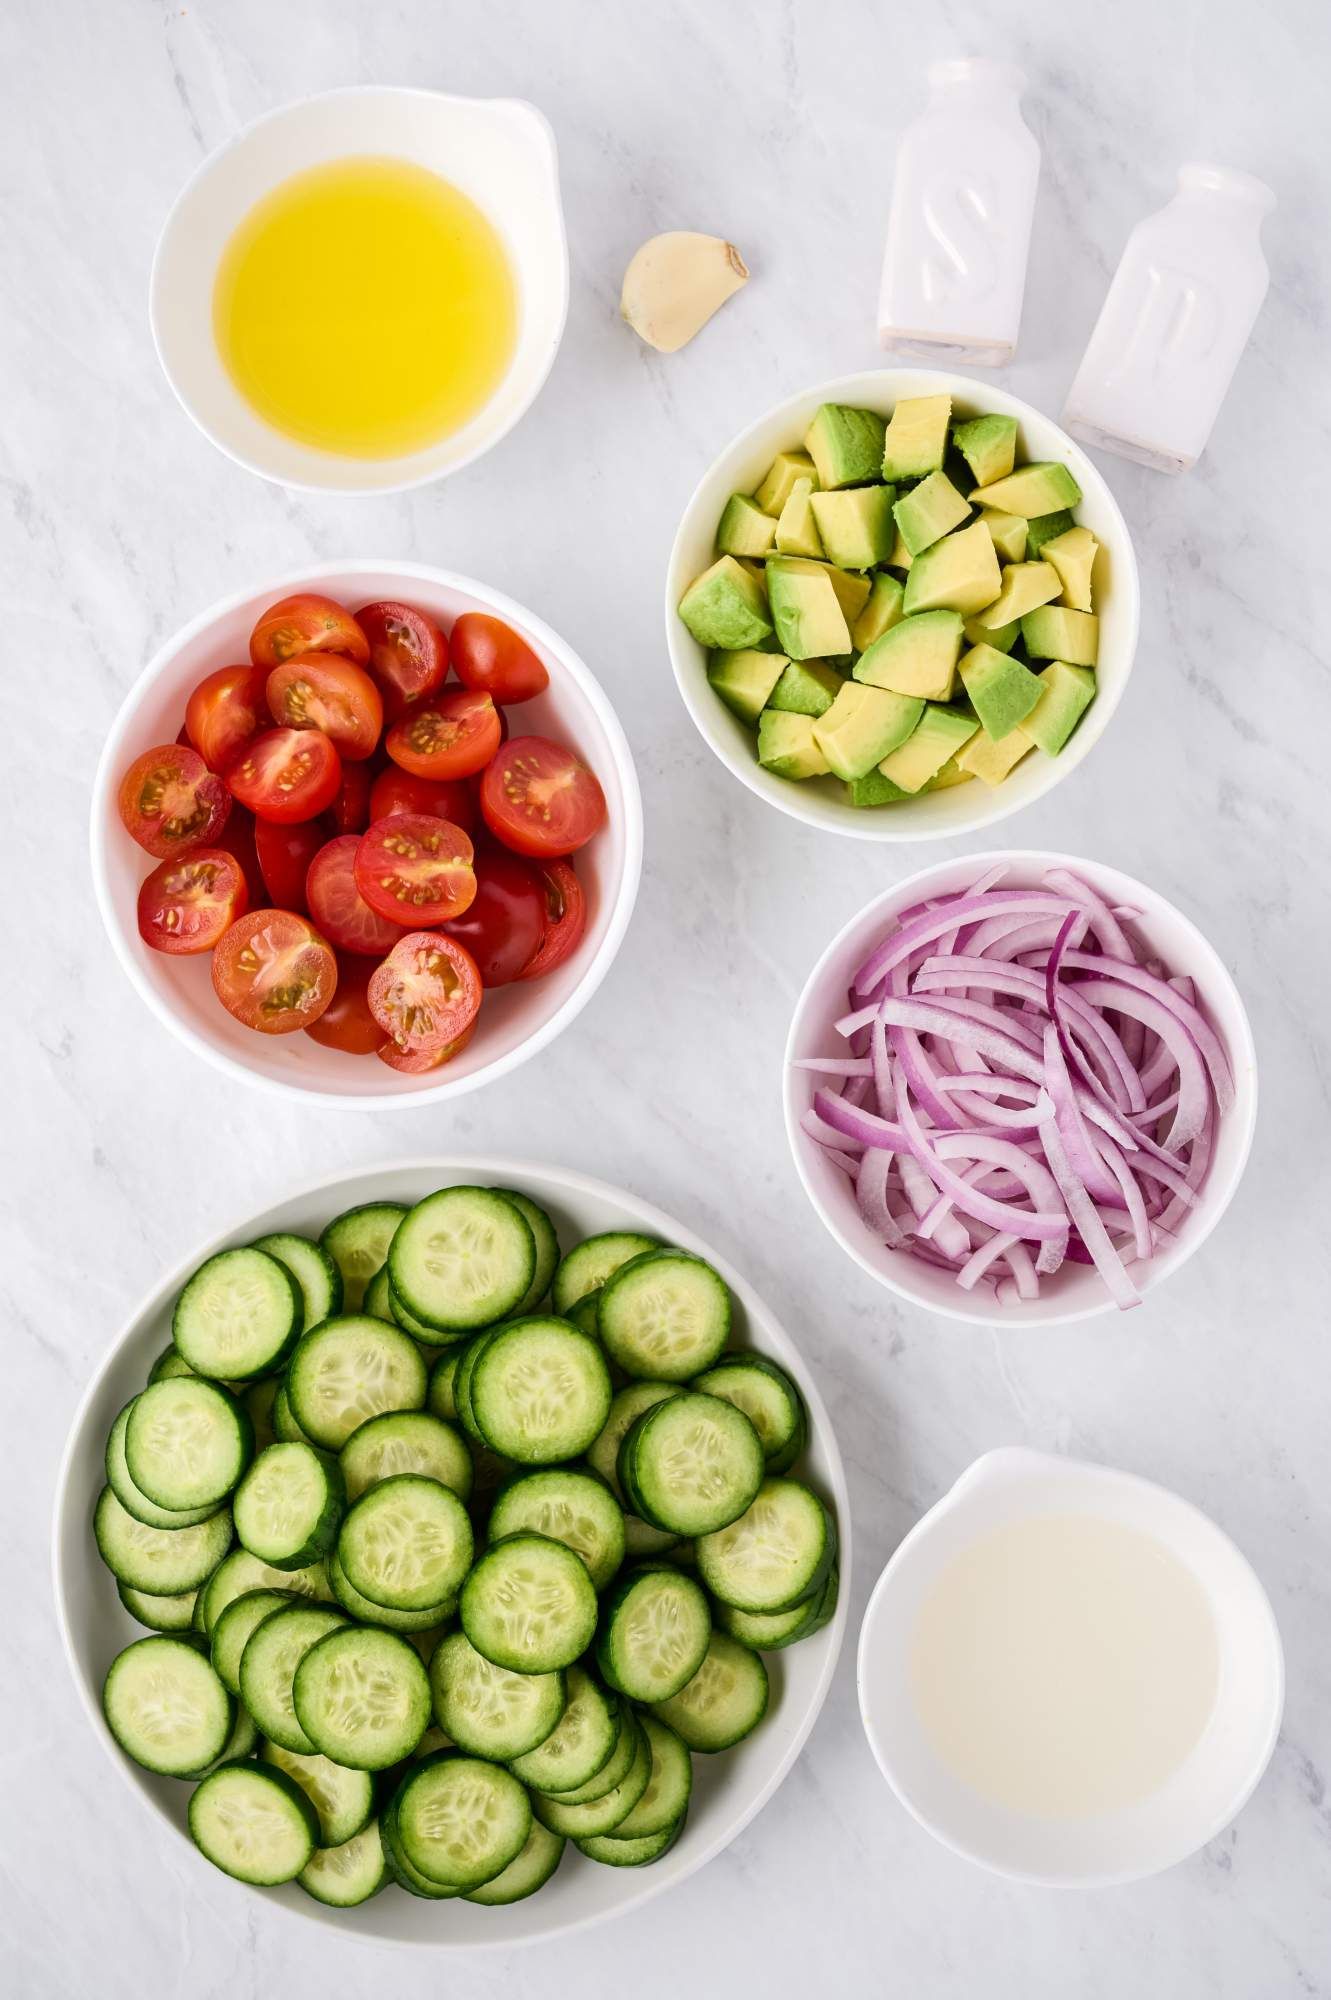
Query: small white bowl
x=1208, y=1789
x=499, y=151
x=1077, y=1291
x=515, y=1021
x=728, y=1791
x=821, y=802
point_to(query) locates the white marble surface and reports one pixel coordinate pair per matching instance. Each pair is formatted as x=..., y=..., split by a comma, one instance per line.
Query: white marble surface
x=776, y=124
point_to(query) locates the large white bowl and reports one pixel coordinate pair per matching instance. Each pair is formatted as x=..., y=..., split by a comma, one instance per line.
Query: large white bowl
x=822, y=802
x=499, y=151
x=1076, y=1291
x=515, y=1021
x=728, y=1790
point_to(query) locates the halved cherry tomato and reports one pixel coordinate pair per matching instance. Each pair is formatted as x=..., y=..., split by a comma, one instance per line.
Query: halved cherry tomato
x=237, y=837
x=504, y=924
x=224, y=711
x=324, y=691
x=420, y=1063
x=565, y=919
x=415, y=869
x=351, y=807
x=425, y=994
x=346, y=1022
x=408, y=653
x=489, y=655
x=186, y=904
x=454, y=736
x=395, y=791
x=170, y=801
x=337, y=906
x=306, y=623
x=286, y=775
x=541, y=799
x=274, y=972
x=285, y=854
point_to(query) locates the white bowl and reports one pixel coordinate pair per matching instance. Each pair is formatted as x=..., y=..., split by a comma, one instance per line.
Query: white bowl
x=728, y=1790
x=1076, y=1291
x=821, y=802
x=499, y=151
x=1196, y=1802
x=515, y=1021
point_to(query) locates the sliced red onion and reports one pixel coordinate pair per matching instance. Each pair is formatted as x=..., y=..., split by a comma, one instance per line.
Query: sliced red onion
x=1086, y=1161
x=834, y=1065
x=1085, y=1217
x=1183, y=1010
x=871, y=1194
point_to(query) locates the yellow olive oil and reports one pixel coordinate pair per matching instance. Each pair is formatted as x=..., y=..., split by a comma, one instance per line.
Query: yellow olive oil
x=366, y=307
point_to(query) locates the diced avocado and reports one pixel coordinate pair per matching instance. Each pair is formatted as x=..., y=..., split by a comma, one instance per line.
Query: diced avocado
x=989, y=447
x=1026, y=585
x=1055, y=633
x=1031, y=490
x=1073, y=555
x=951, y=774
x=785, y=469
x=929, y=511
x=881, y=613
x=862, y=726
x=1065, y=693
x=851, y=591
x=1001, y=690
x=917, y=656
x=846, y=445
x=855, y=525
x=797, y=531
x=745, y=680
x=939, y=735
x=806, y=687
x=873, y=789
x=744, y=529
x=983, y=758
x=726, y=607
x=805, y=609
x=1008, y=532
x=960, y=573
x=787, y=746
x=916, y=440
x=1002, y=637
x=899, y=556
x=1044, y=528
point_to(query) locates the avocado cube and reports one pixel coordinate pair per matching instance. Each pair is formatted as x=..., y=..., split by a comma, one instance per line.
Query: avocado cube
x=805, y=687
x=918, y=656
x=846, y=445
x=983, y=758
x=855, y=524
x=929, y=511
x=873, y=789
x=726, y=607
x=1031, y=490
x=1066, y=692
x=939, y=735
x=1002, y=637
x=916, y=440
x=951, y=774
x=1044, y=528
x=1073, y=555
x=862, y=726
x=1026, y=585
x=960, y=573
x=745, y=680
x=899, y=556
x=797, y=531
x=787, y=747
x=806, y=610
x=880, y=614
x=779, y=480
x=1055, y=633
x=989, y=447
x=850, y=590
x=744, y=529
x=1000, y=689
x=1008, y=532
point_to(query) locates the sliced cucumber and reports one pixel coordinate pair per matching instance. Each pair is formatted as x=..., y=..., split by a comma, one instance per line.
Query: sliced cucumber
x=406, y=1441
x=612, y=1773
x=539, y=1391
x=369, y=1613
x=164, y=1614
x=357, y=1241
x=468, y=1357
x=375, y=1301
x=585, y=1269
x=187, y=1443
x=627, y=1406
x=167, y=1365
x=162, y=1561
x=343, y=1800
x=489, y=1710
x=585, y=1315
x=773, y=1631
x=363, y=1698
x=725, y=1700
x=285, y=1428
x=654, y=1633
x=617, y=1852
x=526, y=1873
x=349, y=1370
x=317, y=1277
x=234, y=1626
x=666, y=1800
x=259, y=1399
x=242, y=1742
x=166, y=1707
x=601, y=1815
x=529, y=1605
x=127, y=1493
x=775, y=1554
x=435, y=1340
x=440, y=1400
x=461, y=1821
x=401, y=1870
x=568, y=1506
x=240, y=1572
x=288, y=1506
x=547, y=1247
x=664, y=1316
x=462, y=1258
x=346, y=1875
x=268, y=1666
x=768, y=1398
x=238, y=1316
x=406, y=1544
x=254, y=1823
x=579, y=1744
x=691, y=1465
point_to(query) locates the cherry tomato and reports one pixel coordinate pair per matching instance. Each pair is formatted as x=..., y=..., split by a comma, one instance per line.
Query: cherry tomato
x=351, y=807
x=306, y=623
x=540, y=798
x=224, y=711
x=408, y=653
x=415, y=869
x=287, y=775
x=324, y=691
x=456, y=735
x=489, y=655
x=395, y=791
x=565, y=919
x=337, y=906
x=285, y=854
x=170, y=801
x=346, y=1022
x=425, y=994
x=237, y=837
x=274, y=972
x=186, y=904
x=504, y=924
x=420, y=1063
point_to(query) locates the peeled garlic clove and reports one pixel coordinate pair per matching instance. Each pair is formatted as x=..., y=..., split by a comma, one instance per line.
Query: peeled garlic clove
x=676, y=282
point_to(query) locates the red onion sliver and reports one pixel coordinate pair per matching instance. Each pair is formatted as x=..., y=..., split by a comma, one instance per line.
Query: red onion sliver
x=1200, y=1029
x=871, y=1194
x=1085, y=1216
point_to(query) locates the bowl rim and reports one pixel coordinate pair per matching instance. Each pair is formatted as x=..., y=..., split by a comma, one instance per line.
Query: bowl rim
x=899, y=828
x=569, y=661
x=214, y=159
x=1244, y=1059
x=508, y=1171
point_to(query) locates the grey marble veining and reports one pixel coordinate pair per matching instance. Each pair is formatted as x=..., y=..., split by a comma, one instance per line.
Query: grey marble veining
x=773, y=123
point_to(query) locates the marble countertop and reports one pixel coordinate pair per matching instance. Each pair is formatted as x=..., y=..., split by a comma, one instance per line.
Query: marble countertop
x=773, y=123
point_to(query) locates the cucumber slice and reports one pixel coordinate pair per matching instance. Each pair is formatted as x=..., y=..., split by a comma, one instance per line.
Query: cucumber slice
x=268, y=1666
x=529, y=1605
x=166, y=1707
x=662, y=1807
x=467, y=1359
x=777, y=1553
x=317, y=1277
x=368, y=1613
x=460, y=1821
x=288, y=1506
x=586, y=1314
x=401, y=1870
x=617, y=1765
x=285, y=1428
x=654, y=1633
x=526, y=1873
x=539, y=1391
x=375, y=1301
x=462, y=1258
x=406, y=1544
x=406, y=1441
x=168, y=1365
x=127, y=1493
x=547, y=1247
x=601, y=1815
x=254, y=1823
x=488, y=1710
x=363, y=1698
x=187, y=1443
x=240, y=1572
x=586, y=1268
x=259, y=1399
x=349, y=1370
x=567, y=1506
x=436, y=1339
x=164, y=1614
x=238, y=1316
x=579, y=1744
x=664, y=1316
x=770, y=1401
x=357, y=1241
x=617, y=1852
x=772, y=1631
x=440, y=1400
x=343, y=1800
x=233, y=1628
x=725, y=1700
x=349, y=1874
x=691, y=1465
x=242, y=1742
x=162, y=1561
x=628, y=1405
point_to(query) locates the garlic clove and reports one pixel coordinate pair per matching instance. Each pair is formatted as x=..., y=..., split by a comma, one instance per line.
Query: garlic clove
x=675, y=283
